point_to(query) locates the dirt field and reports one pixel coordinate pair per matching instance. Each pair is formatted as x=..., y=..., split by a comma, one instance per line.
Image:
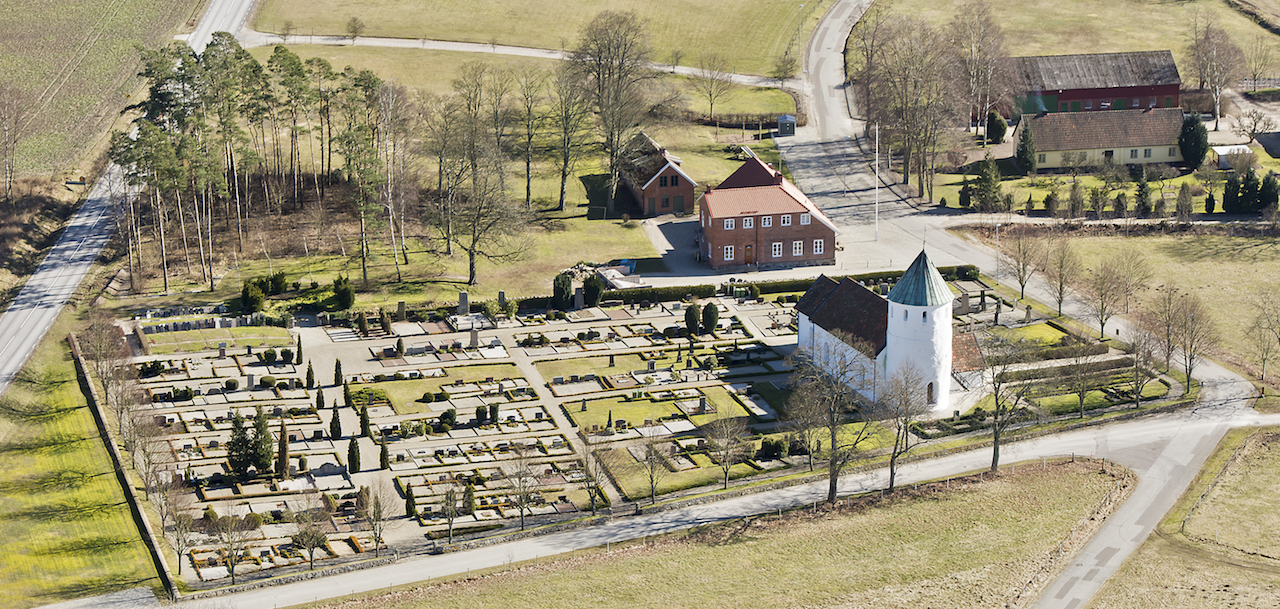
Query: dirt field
x=77, y=62
x=1229, y=555
x=972, y=547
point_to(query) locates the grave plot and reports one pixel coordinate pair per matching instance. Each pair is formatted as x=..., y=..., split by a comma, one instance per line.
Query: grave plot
x=684, y=464
x=429, y=394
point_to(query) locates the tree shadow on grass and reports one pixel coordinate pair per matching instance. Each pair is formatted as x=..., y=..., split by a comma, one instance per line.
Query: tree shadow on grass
x=18, y=411
x=49, y=443
x=95, y=586
x=91, y=545
x=66, y=510
x=1196, y=249
x=62, y=480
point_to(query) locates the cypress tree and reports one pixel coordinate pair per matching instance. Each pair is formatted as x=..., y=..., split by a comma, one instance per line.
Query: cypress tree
x=346, y=395
x=239, y=447
x=364, y=422
x=710, y=318
x=353, y=456
x=469, y=499
x=311, y=376
x=1231, y=194
x=384, y=457
x=263, y=452
x=335, y=426
x=1249, y=188
x=691, y=320
x=410, y=504
x=319, y=399
x=1142, y=200
x=1026, y=154
x=337, y=372
x=1269, y=193
x=297, y=354
x=282, y=453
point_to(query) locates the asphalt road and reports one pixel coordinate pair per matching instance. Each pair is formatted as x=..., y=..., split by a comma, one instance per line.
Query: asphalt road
x=37, y=305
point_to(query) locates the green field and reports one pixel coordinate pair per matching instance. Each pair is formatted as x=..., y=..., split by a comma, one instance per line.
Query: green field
x=751, y=35
x=966, y=548
x=65, y=531
x=77, y=63
x=1214, y=560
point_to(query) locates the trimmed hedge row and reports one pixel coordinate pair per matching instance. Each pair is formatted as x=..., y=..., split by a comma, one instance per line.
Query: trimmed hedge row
x=1051, y=353
x=660, y=294
x=950, y=273
x=1067, y=370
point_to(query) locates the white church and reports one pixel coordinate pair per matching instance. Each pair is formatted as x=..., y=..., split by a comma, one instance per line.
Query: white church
x=912, y=325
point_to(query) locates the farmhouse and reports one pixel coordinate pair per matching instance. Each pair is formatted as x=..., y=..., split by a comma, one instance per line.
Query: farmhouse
x=655, y=178
x=1098, y=81
x=757, y=219
x=845, y=322
x=1132, y=137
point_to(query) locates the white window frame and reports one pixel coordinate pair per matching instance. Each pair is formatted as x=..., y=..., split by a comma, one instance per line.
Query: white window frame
x=1040, y=157
x=797, y=248
x=786, y=220
x=766, y=221
x=728, y=223
x=777, y=249
x=1173, y=151
x=1133, y=154
x=748, y=222
x=804, y=219
x=1146, y=153
x=728, y=253
x=819, y=246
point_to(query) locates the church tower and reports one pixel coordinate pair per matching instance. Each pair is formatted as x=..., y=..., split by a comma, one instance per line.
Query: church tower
x=919, y=329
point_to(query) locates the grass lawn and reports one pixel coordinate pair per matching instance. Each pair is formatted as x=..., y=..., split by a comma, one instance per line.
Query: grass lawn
x=1044, y=334
x=623, y=363
x=66, y=532
x=77, y=61
x=1215, y=564
x=635, y=482
x=751, y=35
x=634, y=412
x=404, y=395
x=197, y=340
x=1069, y=403
x=1044, y=27
x=964, y=548
x=774, y=395
x=948, y=185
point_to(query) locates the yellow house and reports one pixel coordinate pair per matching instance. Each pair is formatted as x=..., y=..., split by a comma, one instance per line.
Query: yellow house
x=1088, y=139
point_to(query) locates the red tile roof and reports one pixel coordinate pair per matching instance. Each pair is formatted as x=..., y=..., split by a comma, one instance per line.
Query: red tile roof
x=1061, y=131
x=754, y=172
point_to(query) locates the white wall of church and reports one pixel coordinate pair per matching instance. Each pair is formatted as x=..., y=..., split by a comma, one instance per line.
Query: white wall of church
x=827, y=350
x=922, y=336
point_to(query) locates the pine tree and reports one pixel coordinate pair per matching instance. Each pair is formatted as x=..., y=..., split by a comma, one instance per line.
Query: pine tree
x=335, y=426
x=1231, y=194
x=1249, y=188
x=337, y=372
x=384, y=457
x=1193, y=141
x=1269, y=193
x=1026, y=154
x=1051, y=204
x=311, y=376
x=239, y=447
x=986, y=189
x=469, y=499
x=263, y=452
x=1142, y=200
x=353, y=456
x=282, y=453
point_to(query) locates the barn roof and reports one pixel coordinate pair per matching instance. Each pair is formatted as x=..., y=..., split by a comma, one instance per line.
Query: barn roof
x=921, y=286
x=1095, y=71
x=847, y=307
x=1059, y=131
x=643, y=159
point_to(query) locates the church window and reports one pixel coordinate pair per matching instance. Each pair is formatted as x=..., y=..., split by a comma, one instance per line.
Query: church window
x=904, y=315
x=924, y=316
x=929, y=389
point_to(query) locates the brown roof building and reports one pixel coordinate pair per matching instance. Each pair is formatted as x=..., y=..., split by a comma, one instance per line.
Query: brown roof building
x=654, y=177
x=765, y=222
x=850, y=308
x=1132, y=137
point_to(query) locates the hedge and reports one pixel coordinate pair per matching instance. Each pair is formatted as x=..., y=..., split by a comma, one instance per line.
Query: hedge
x=1063, y=371
x=1052, y=353
x=660, y=294
x=950, y=273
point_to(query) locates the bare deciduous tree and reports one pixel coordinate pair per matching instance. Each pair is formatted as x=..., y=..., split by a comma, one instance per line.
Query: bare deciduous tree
x=1002, y=356
x=310, y=535
x=449, y=507
x=1259, y=56
x=1081, y=378
x=1061, y=267
x=829, y=378
x=712, y=81
x=1197, y=333
x=376, y=511
x=1104, y=292
x=522, y=478
x=1251, y=124
x=1264, y=332
x=725, y=436
x=654, y=464
x=903, y=404
x=1219, y=60
x=1135, y=273
x=355, y=28
x=233, y=535
x=613, y=56
x=594, y=476
x=569, y=113
x=15, y=107
x=1024, y=250
x=1142, y=347
x=531, y=88
x=979, y=41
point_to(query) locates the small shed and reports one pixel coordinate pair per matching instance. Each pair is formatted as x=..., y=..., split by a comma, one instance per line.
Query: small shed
x=786, y=125
x=1223, y=153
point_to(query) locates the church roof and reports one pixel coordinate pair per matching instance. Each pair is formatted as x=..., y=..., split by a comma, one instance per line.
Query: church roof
x=921, y=286
x=847, y=307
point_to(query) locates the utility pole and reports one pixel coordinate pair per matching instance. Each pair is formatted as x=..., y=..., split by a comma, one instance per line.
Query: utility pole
x=877, y=181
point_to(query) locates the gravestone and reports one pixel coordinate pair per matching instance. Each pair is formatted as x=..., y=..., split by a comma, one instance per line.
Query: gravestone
x=222, y=350
x=249, y=384
x=653, y=365
x=400, y=313
x=964, y=303
x=475, y=338
x=463, y=306
x=982, y=301
x=584, y=404
x=1027, y=319
x=502, y=300
x=884, y=289
x=702, y=403
x=610, y=360
x=997, y=320
x=579, y=298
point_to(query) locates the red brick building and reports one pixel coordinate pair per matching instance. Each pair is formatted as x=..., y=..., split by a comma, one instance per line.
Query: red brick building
x=1096, y=81
x=758, y=220
x=655, y=179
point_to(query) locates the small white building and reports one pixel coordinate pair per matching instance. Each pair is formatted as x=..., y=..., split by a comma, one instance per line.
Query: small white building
x=1223, y=154
x=911, y=326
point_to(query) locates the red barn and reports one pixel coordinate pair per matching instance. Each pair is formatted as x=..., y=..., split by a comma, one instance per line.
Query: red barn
x=758, y=220
x=1096, y=81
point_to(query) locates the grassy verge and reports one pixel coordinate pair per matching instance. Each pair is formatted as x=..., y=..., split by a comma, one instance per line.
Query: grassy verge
x=1216, y=564
x=751, y=35
x=936, y=549
x=66, y=532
